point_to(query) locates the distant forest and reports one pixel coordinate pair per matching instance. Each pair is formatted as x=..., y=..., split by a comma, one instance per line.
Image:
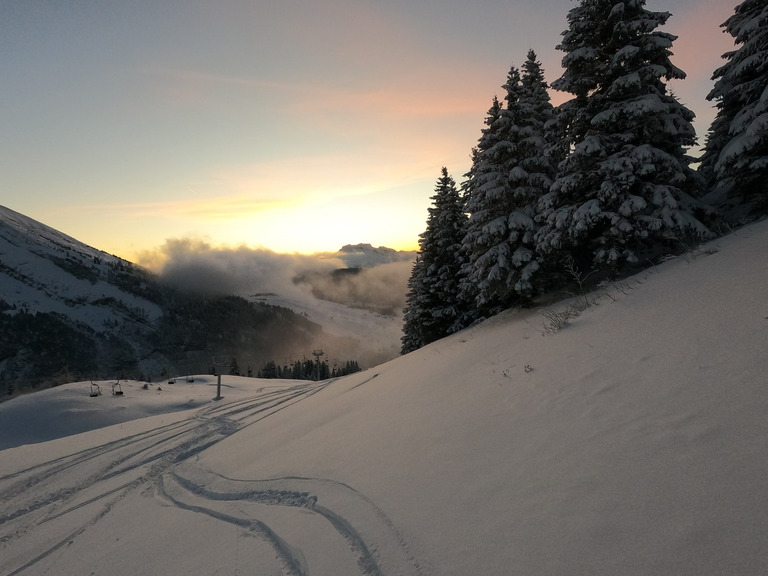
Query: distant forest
x=307, y=370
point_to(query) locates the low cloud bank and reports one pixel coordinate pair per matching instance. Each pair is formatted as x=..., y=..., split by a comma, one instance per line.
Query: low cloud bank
x=381, y=289
x=372, y=280
x=196, y=266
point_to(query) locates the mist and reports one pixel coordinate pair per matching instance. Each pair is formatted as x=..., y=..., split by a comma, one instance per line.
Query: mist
x=196, y=266
x=357, y=294
x=381, y=289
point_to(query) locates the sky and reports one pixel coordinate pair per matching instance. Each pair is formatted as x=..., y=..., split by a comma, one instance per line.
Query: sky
x=293, y=126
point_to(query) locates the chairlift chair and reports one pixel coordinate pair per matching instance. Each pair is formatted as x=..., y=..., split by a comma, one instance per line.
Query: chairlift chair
x=117, y=389
x=95, y=390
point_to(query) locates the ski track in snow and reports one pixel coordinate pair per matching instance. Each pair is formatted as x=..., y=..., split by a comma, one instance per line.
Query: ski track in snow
x=92, y=481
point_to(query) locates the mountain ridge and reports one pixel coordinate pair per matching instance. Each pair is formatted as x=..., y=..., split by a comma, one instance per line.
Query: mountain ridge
x=68, y=310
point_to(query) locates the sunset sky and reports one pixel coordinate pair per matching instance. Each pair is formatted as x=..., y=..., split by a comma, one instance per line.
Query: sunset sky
x=297, y=126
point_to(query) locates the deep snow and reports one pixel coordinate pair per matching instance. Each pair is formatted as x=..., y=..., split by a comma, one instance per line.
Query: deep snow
x=631, y=441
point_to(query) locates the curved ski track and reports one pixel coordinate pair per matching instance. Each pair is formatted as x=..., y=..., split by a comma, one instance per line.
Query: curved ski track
x=90, y=482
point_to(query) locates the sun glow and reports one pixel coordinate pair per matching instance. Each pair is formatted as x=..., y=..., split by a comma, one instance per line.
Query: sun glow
x=318, y=226
x=296, y=223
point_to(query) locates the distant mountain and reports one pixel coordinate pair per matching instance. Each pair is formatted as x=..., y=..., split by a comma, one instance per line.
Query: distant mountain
x=366, y=256
x=69, y=311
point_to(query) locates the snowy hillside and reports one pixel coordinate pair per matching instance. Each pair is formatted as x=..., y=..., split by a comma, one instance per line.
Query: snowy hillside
x=45, y=270
x=631, y=440
x=69, y=311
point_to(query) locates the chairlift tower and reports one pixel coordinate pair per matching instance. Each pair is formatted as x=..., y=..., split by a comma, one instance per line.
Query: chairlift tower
x=219, y=362
x=317, y=354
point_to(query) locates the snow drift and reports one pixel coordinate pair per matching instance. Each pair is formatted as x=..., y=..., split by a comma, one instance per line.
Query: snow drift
x=628, y=437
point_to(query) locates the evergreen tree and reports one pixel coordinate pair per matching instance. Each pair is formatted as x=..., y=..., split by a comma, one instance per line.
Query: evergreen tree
x=511, y=170
x=268, y=371
x=532, y=175
x=234, y=369
x=735, y=160
x=297, y=371
x=486, y=193
x=414, y=312
x=432, y=306
x=625, y=189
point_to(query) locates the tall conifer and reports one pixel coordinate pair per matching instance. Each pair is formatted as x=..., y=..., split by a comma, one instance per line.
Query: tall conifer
x=432, y=306
x=511, y=170
x=626, y=189
x=735, y=160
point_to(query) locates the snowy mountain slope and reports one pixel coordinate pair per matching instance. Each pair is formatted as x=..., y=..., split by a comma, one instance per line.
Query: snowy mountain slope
x=631, y=441
x=69, y=311
x=46, y=271
x=26, y=228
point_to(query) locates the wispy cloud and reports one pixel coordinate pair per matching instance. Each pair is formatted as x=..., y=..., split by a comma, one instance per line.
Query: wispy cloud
x=213, y=208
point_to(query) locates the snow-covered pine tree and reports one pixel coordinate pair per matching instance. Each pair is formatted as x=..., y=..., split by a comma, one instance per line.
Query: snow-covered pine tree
x=414, y=311
x=626, y=189
x=489, y=203
x=532, y=177
x=432, y=305
x=510, y=171
x=735, y=160
x=482, y=174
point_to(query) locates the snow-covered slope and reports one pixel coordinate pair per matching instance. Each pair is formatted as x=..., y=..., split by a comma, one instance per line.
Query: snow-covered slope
x=631, y=441
x=69, y=309
x=44, y=270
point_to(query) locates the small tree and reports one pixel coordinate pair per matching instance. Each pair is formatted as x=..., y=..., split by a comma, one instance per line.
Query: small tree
x=268, y=371
x=234, y=369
